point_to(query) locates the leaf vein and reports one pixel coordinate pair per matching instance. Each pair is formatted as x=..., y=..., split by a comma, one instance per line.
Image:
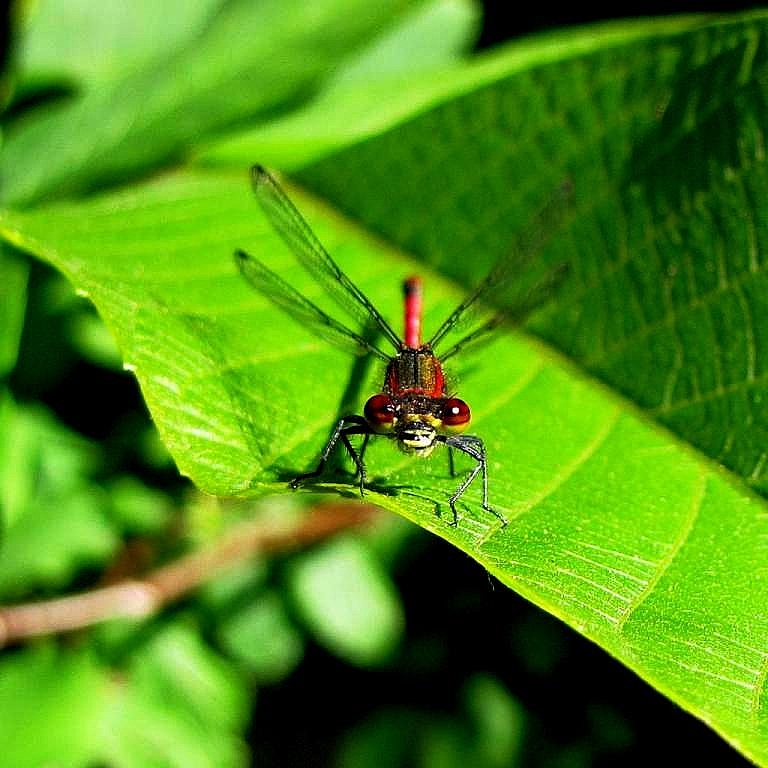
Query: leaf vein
x=665, y=562
x=561, y=477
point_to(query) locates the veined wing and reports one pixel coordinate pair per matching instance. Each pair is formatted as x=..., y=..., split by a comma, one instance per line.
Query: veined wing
x=299, y=237
x=288, y=299
x=507, y=293
x=537, y=295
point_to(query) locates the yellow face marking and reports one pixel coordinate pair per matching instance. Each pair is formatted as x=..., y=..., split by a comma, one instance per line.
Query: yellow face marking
x=423, y=418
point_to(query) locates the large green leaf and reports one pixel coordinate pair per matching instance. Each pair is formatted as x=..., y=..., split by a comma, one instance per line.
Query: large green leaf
x=665, y=300
x=610, y=519
x=617, y=526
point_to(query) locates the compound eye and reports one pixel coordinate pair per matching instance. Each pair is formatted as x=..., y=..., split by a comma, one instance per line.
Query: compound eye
x=456, y=415
x=380, y=413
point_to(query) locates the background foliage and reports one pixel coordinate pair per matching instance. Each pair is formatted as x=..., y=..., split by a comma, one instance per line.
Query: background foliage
x=627, y=450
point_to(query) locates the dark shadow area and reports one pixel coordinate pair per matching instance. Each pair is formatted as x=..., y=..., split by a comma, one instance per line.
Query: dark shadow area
x=583, y=707
x=503, y=21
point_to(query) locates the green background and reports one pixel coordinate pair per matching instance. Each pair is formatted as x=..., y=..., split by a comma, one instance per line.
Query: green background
x=624, y=424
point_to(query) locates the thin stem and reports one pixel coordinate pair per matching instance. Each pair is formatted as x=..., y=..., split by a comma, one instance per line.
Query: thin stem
x=142, y=597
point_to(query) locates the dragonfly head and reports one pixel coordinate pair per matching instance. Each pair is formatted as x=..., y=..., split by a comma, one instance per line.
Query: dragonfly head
x=415, y=420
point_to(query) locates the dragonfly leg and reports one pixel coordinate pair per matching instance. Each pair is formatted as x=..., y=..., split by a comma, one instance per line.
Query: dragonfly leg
x=358, y=457
x=474, y=447
x=347, y=425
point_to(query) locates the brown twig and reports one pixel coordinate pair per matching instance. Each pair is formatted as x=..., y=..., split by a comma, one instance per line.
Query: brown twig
x=139, y=598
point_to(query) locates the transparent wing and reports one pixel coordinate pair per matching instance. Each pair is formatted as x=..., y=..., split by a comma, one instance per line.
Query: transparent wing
x=509, y=293
x=287, y=298
x=299, y=237
x=536, y=296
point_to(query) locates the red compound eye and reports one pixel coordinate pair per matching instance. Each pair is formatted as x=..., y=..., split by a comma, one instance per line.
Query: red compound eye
x=380, y=413
x=456, y=414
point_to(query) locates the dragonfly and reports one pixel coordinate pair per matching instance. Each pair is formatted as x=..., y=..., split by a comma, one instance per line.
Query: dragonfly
x=415, y=406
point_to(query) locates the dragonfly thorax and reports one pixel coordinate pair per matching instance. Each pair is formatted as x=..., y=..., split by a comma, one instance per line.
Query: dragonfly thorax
x=415, y=371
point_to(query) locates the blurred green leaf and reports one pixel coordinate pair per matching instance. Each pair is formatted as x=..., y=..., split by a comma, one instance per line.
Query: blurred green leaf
x=92, y=340
x=387, y=739
x=174, y=704
x=136, y=508
x=251, y=622
x=412, y=65
x=179, y=671
x=55, y=517
x=180, y=705
x=225, y=74
x=609, y=729
x=235, y=586
x=79, y=42
x=13, y=302
x=262, y=637
x=497, y=722
x=347, y=600
x=51, y=702
x=486, y=734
